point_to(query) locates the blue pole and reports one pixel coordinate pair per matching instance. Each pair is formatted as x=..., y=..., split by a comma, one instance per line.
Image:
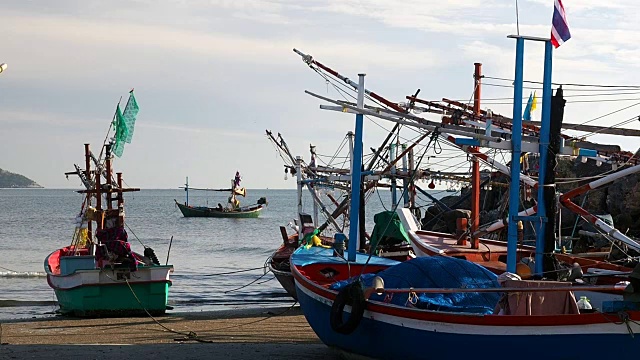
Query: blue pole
x=356, y=176
x=544, y=145
x=516, y=142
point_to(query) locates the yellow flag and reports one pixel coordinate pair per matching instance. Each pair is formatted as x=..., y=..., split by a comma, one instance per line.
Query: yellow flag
x=534, y=103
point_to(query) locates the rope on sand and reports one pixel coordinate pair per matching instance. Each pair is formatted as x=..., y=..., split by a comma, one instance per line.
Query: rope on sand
x=191, y=335
x=237, y=325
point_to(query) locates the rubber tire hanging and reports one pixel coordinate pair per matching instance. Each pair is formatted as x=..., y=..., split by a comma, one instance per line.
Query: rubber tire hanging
x=353, y=296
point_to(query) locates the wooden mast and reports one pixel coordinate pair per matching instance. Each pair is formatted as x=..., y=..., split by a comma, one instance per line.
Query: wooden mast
x=87, y=173
x=475, y=166
x=120, y=200
x=549, y=191
x=108, y=179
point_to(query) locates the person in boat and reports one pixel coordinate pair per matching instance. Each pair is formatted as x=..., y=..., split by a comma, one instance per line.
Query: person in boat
x=236, y=180
x=113, y=244
x=220, y=207
x=235, y=203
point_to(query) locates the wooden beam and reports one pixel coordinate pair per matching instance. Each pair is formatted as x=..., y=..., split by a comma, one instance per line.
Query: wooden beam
x=594, y=128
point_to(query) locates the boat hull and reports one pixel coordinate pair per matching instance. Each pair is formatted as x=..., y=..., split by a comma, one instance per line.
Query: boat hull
x=388, y=331
x=286, y=281
x=111, y=292
x=202, y=211
x=114, y=300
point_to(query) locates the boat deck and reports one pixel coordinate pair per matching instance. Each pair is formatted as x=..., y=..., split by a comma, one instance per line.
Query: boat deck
x=491, y=254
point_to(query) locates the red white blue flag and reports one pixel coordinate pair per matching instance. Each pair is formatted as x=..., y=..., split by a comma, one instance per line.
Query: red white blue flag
x=560, y=27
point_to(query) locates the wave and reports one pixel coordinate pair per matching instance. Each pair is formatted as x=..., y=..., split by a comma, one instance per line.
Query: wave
x=18, y=303
x=25, y=274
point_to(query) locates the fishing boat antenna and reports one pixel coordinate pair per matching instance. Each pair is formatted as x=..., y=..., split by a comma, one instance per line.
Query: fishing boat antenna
x=517, y=19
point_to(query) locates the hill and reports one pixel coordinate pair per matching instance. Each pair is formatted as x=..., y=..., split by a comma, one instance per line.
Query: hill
x=11, y=180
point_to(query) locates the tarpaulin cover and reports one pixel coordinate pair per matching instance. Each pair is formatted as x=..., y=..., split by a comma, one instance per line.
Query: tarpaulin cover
x=437, y=272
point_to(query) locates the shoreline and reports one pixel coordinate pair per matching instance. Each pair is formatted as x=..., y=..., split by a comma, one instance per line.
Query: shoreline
x=276, y=332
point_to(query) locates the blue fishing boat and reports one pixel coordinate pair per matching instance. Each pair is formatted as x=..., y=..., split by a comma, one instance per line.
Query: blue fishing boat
x=442, y=307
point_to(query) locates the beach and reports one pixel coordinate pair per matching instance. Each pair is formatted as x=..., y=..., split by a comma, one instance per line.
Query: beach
x=265, y=333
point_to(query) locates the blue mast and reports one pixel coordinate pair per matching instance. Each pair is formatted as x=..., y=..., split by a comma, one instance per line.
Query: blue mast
x=544, y=145
x=356, y=176
x=516, y=139
x=516, y=142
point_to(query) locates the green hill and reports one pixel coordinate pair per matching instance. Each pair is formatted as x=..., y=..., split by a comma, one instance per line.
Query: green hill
x=11, y=180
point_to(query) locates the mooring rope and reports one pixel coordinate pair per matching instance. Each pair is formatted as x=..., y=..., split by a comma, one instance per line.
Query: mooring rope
x=237, y=271
x=192, y=335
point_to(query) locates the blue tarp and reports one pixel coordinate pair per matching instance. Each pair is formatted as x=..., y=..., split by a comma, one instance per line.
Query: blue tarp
x=437, y=272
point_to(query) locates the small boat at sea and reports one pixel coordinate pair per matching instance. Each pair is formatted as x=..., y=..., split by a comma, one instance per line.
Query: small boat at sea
x=233, y=208
x=98, y=274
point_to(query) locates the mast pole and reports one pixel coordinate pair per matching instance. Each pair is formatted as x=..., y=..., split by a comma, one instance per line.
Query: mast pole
x=543, y=179
x=87, y=173
x=316, y=221
x=120, y=199
x=356, y=175
x=299, y=187
x=186, y=190
x=405, y=180
x=412, y=189
x=99, y=201
x=108, y=179
x=514, y=186
x=475, y=166
x=392, y=157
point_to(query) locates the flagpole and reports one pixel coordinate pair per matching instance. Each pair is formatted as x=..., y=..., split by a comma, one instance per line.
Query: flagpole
x=517, y=19
x=108, y=131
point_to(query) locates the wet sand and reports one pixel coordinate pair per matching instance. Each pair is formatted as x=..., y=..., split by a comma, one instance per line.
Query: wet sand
x=275, y=333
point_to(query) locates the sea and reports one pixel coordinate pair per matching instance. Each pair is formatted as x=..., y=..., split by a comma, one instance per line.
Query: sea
x=219, y=264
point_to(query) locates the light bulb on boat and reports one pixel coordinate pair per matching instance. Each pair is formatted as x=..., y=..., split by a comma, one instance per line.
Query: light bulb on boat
x=584, y=159
x=598, y=163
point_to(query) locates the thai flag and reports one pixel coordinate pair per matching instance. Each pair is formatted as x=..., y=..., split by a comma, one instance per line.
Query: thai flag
x=560, y=27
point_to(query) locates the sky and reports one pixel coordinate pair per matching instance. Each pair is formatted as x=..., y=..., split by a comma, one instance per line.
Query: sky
x=211, y=75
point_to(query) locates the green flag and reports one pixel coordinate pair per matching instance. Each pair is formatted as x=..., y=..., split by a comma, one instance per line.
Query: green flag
x=129, y=114
x=121, y=133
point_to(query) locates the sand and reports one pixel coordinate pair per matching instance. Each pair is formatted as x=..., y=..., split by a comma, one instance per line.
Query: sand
x=275, y=333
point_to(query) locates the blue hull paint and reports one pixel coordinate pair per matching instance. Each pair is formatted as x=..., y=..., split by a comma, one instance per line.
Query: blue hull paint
x=385, y=341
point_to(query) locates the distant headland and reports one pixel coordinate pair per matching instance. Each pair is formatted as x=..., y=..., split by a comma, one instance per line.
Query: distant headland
x=11, y=180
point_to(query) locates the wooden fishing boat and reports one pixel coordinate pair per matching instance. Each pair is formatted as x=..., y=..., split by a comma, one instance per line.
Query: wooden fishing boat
x=380, y=322
x=233, y=208
x=278, y=262
x=98, y=274
x=252, y=211
x=374, y=307
x=387, y=241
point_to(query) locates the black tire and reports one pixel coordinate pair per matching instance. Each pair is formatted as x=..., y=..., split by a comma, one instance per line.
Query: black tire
x=352, y=295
